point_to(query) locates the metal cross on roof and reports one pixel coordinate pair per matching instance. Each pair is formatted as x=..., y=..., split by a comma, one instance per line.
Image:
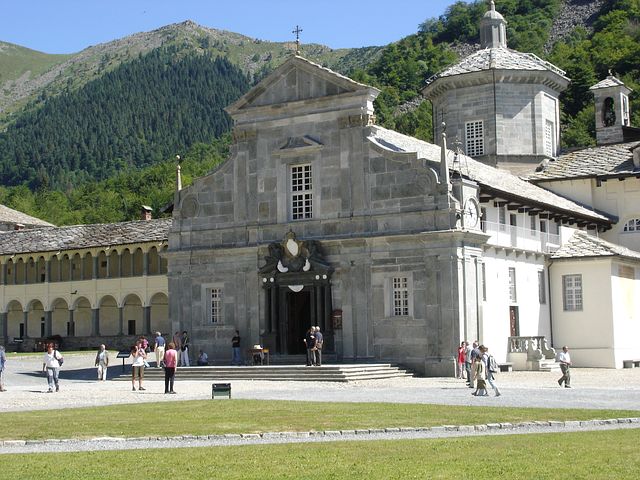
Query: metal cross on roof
x=297, y=31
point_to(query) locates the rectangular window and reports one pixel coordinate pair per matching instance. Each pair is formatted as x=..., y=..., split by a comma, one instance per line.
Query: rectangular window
x=483, y=219
x=400, y=296
x=301, y=192
x=512, y=285
x=502, y=215
x=474, y=138
x=549, y=139
x=572, y=292
x=533, y=224
x=543, y=226
x=216, y=305
x=542, y=288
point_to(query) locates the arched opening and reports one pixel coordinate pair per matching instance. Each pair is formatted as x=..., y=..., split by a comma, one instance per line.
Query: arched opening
x=109, y=316
x=41, y=270
x=32, y=271
x=114, y=264
x=87, y=266
x=11, y=272
x=65, y=269
x=36, y=319
x=153, y=268
x=82, y=317
x=138, y=261
x=20, y=272
x=126, y=268
x=15, y=320
x=60, y=317
x=55, y=269
x=76, y=267
x=160, y=314
x=133, y=316
x=103, y=264
x=163, y=261
x=608, y=112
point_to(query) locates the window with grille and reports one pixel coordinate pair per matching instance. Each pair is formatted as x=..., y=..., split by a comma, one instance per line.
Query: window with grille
x=542, y=287
x=572, y=292
x=301, y=192
x=549, y=139
x=400, y=288
x=632, y=225
x=474, y=138
x=216, y=305
x=512, y=285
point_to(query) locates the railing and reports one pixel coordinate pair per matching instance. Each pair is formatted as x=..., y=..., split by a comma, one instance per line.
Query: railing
x=519, y=237
x=536, y=348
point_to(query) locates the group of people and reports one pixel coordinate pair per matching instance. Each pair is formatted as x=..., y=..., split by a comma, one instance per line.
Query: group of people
x=477, y=367
x=313, y=340
x=167, y=357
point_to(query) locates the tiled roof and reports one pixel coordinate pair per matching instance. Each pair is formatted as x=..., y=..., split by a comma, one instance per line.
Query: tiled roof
x=610, y=81
x=500, y=180
x=582, y=245
x=499, y=59
x=605, y=160
x=48, y=239
x=9, y=215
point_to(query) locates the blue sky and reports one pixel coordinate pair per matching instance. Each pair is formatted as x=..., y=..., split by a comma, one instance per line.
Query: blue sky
x=67, y=26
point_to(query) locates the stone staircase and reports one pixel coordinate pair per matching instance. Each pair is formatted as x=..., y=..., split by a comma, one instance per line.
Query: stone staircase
x=299, y=373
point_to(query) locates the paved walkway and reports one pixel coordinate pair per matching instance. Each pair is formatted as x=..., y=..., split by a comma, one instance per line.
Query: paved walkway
x=593, y=388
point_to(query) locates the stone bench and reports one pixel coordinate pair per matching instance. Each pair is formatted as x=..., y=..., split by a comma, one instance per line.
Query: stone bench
x=506, y=367
x=220, y=389
x=631, y=363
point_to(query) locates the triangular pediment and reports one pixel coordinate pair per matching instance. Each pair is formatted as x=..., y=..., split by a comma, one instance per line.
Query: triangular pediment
x=297, y=80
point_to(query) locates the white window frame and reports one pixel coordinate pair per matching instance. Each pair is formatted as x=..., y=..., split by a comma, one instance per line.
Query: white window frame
x=632, y=226
x=399, y=295
x=572, y=293
x=213, y=300
x=502, y=218
x=301, y=191
x=549, y=138
x=513, y=285
x=474, y=138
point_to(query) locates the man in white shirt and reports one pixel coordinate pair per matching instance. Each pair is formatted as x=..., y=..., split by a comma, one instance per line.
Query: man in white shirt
x=565, y=363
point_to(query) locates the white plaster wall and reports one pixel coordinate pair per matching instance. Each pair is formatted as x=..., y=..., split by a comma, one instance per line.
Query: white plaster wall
x=626, y=313
x=589, y=333
x=533, y=316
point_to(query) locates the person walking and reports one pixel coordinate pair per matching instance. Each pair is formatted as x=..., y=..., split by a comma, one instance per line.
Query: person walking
x=102, y=362
x=137, y=367
x=159, y=347
x=462, y=350
x=184, y=350
x=468, y=363
x=491, y=368
x=235, y=349
x=479, y=377
x=319, y=342
x=51, y=365
x=170, y=361
x=3, y=360
x=310, y=343
x=565, y=365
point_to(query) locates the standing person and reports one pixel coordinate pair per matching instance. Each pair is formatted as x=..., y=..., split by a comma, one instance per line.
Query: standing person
x=3, y=360
x=102, y=362
x=318, y=350
x=158, y=347
x=137, y=367
x=184, y=350
x=480, y=377
x=51, y=365
x=461, y=359
x=491, y=367
x=468, y=363
x=177, y=342
x=170, y=361
x=310, y=343
x=235, y=349
x=565, y=365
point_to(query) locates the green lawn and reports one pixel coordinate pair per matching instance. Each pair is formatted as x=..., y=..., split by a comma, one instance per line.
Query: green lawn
x=585, y=455
x=248, y=416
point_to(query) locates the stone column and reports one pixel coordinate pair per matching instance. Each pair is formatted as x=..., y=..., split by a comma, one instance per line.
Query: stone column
x=108, y=257
x=4, y=321
x=4, y=274
x=47, y=271
x=145, y=263
x=146, y=322
x=72, y=325
x=120, y=320
x=96, y=266
x=25, y=316
x=26, y=272
x=48, y=323
x=95, y=322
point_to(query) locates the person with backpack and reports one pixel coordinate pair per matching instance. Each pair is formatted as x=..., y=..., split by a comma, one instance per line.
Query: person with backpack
x=51, y=364
x=491, y=368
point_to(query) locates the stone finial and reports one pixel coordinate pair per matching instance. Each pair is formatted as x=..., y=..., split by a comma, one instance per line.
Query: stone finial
x=444, y=167
x=178, y=174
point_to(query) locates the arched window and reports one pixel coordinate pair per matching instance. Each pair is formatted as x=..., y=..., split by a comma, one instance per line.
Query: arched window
x=632, y=225
x=609, y=112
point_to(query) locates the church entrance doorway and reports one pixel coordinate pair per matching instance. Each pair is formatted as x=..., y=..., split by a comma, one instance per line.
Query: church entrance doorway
x=298, y=319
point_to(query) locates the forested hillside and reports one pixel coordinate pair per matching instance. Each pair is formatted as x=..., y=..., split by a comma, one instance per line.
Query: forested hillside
x=137, y=115
x=94, y=150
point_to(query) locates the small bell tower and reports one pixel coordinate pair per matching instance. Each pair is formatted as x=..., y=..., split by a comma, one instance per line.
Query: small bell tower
x=611, y=97
x=493, y=29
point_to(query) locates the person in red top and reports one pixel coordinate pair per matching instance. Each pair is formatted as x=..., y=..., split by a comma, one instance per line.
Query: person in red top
x=461, y=360
x=170, y=363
